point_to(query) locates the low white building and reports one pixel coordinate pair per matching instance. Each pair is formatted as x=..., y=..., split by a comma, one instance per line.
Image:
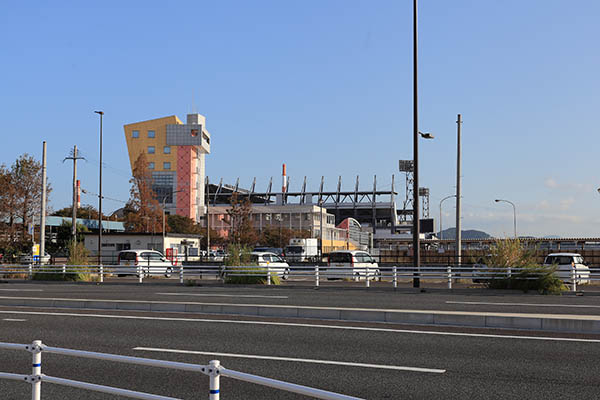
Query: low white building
x=113, y=243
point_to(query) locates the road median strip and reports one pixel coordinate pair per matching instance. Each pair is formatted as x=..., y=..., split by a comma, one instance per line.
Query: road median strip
x=540, y=322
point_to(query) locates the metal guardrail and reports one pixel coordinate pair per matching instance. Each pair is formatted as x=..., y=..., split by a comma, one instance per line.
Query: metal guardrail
x=316, y=273
x=214, y=370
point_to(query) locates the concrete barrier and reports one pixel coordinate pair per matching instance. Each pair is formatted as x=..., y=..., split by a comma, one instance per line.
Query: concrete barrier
x=540, y=322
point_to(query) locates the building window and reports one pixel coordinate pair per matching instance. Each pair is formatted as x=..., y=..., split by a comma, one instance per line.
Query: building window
x=162, y=185
x=150, y=165
x=166, y=165
x=150, y=149
x=151, y=134
x=167, y=149
x=135, y=134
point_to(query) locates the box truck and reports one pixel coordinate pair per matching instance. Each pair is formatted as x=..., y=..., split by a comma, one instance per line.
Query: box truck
x=302, y=250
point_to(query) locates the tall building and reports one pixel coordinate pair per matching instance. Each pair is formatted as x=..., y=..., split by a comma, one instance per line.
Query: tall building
x=176, y=155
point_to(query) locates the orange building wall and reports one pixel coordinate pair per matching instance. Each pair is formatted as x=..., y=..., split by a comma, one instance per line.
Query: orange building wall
x=136, y=146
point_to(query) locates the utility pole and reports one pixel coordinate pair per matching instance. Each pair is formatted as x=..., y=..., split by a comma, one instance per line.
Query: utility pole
x=458, y=162
x=74, y=157
x=101, y=113
x=43, y=210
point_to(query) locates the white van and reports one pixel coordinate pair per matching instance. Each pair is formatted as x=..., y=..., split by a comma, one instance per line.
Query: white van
x=351, y=264
x=566, y=263
x=147, y=262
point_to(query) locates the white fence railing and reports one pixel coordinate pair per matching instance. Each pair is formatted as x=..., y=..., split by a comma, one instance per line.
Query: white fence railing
x=394, y=274
x=214, y=370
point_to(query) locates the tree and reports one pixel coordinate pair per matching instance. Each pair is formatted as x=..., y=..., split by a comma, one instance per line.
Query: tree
x=21, y=195
x=86, y=211
x=182, y=224
x=142, y=212
x=241, y=230
x=64, y=236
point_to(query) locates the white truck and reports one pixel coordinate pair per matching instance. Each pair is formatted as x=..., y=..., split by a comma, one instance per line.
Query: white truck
x=300, y=250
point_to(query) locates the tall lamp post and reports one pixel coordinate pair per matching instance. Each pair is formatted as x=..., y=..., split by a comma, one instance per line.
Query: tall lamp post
x=416, y=133
x=445, y=198
x=101, y=113
x=514, y=213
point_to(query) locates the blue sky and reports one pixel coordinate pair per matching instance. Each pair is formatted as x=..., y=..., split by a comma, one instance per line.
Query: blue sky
x=326, y=87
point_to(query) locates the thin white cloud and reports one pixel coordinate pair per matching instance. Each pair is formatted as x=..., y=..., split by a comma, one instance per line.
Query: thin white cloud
x=566, y=203
x=543, y=205
x=551, y=183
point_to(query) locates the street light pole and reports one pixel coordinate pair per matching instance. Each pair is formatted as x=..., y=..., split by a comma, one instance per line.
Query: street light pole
x=514, y=213
x=101, y=113
x=416, y=228
x=458, y=235
x=445, y=198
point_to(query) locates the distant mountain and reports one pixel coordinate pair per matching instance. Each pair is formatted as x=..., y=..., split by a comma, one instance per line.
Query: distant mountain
x=450, y=233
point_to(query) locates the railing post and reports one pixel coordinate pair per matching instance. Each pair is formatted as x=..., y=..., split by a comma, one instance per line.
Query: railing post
x=573, y=278
x=101, y=273
x=64, y=268
x=395, y=278
x=181, y=274
x=214, y=374
x=449, y=271
x=36, y=371
x=30, y=271
x=317, y=275
x=140, y=274
x=368, y=282
x=268, y=275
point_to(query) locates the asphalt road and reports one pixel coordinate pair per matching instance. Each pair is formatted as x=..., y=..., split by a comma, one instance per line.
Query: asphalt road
x=477, y=300
x=476, y=366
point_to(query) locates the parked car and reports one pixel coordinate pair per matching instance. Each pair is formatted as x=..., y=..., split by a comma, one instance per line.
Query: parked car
x=565, y=263
x=275, y=263
x=148, y=262
x=26, y=259
x=217, y=255
x=353, y=264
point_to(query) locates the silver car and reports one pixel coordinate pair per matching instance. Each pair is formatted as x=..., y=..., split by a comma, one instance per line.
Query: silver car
x=146, y=262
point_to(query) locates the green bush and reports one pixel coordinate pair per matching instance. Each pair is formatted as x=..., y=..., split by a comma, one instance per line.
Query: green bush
x=239, y=265
x=510, y=253
x=77, y=262
x=531, y=277
x=249, y=276
x=238, y=255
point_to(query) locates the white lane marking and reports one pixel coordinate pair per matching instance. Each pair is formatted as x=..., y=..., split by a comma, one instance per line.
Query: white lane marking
x=14, y=319
x=269, y=323
x=484, y=303
x=304, y=360
x=22, y=290
x=224, y=295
